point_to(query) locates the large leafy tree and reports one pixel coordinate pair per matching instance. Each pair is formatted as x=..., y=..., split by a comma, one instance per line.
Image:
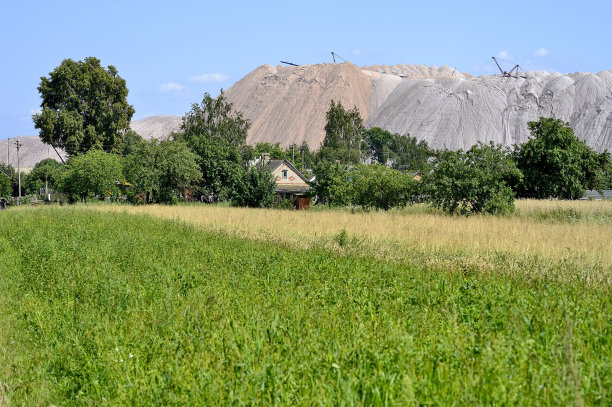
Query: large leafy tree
x=217, y=133
x=343, y=131
x=555, y=163
x=92, y=175
x=473, y=181
x=84, y=106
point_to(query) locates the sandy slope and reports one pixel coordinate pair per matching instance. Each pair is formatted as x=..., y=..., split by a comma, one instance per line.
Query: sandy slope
x=32, y=151
x=288, y=104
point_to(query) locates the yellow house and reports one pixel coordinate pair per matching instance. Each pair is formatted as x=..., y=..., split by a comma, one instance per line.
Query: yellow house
x=290, y=183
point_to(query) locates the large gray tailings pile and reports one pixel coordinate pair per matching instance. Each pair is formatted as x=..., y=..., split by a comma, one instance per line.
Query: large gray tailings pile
x=458, y=112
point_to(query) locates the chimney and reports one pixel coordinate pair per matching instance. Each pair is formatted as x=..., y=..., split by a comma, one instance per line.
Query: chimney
x=265, y=158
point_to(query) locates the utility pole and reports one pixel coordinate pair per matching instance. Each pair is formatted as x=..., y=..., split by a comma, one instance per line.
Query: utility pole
x=8, y=158
x=18, y=145
x=47, y=177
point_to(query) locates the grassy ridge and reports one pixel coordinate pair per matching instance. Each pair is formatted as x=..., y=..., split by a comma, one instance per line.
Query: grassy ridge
x=134, y=310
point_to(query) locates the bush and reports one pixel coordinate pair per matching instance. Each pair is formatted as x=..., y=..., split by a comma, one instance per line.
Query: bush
x=556, y=164
x=5, y=186
x=256, y=189
x=376, y=186
x=91, y=175
x=473, y=181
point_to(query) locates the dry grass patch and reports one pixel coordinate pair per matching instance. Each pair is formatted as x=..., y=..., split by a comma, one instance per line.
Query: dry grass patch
x=518, y=244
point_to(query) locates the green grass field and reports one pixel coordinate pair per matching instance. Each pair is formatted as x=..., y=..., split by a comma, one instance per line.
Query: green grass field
x=101, y=307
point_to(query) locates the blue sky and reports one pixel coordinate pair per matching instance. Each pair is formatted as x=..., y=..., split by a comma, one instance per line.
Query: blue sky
x=170, y=53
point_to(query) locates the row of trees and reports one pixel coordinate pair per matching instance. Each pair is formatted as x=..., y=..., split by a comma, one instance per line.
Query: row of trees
x=85, y=112
x=554, y=163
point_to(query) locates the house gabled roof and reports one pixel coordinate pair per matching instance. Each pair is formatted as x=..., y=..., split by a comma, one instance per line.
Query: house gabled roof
x=272, y=165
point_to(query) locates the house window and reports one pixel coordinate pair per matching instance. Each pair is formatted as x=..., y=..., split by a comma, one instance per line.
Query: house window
x=284, y=174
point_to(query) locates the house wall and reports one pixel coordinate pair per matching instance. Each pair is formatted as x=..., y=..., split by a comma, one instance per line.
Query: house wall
x=296, y=181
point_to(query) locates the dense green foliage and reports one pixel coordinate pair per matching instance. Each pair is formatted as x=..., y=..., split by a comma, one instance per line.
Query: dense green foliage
x=92, y=175
x=376, y=186
x=111, y=308
x=161, y=172
x=6, y=187
x=473, y=181
x=343, y=131
x=45, y=173
x=256, y=189
x=555, y=163
x=84, y=106
x=331, y=183
x=300, y=156
x=401, y=152
x=217, y=133
x=368, y=186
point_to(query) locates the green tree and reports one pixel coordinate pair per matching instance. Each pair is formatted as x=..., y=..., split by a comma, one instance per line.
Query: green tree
x=217, y=135
x=376, y=186
x=256, y=189
x=160, y=171
x=91, y=175
x=555, y=163
x=378, y=144
x=6, y=187
x=331, y=183
x=178, y=170
x=141, y=171
x=84, y=106
x=275, y=150
x=403, y=152
x=131, y=142
x=343, y=131
x=410, y=154
x=45, y=173
x=473, y=181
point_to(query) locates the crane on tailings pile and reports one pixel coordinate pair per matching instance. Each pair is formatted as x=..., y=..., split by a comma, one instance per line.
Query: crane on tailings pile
x=513, y=73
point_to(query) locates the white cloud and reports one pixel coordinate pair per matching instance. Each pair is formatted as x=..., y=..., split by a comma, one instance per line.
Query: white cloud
x=209, y=77
x=503, y=55
x=542, y=52
x=171, y=87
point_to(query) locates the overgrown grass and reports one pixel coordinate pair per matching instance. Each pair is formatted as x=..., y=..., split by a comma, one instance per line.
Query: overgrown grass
x=533, y=242
x=121, y=309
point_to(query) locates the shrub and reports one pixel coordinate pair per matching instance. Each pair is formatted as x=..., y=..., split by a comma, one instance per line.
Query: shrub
x=473, y=181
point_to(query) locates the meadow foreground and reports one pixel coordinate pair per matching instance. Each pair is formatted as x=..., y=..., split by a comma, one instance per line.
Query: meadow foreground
x=254, y=308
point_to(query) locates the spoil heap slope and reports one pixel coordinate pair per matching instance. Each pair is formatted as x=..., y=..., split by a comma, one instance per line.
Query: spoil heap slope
x=287, y=105
x=457, y=112
x=157, y=127
x=31, y=152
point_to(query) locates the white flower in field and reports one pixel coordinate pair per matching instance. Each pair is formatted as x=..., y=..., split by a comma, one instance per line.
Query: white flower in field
x=131, y=356
x=121, y=360
x=116, y=349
